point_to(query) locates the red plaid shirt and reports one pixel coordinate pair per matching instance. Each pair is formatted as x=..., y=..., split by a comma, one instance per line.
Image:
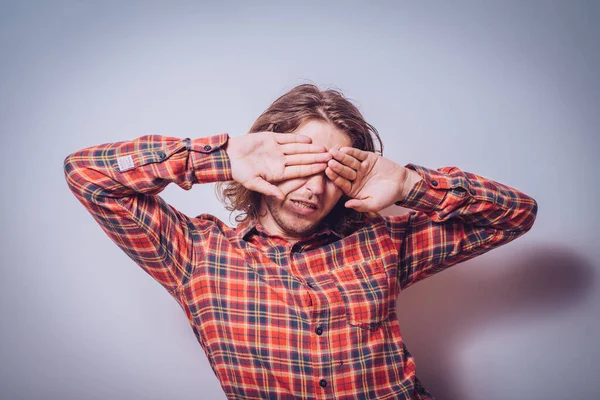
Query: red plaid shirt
x=316, y=319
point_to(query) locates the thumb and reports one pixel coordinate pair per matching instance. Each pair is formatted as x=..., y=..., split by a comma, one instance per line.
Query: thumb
x=259, y=185
x=360, y=205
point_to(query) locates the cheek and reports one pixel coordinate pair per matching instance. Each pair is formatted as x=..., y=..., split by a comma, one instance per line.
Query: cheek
x=290, y=185
x=333, y=194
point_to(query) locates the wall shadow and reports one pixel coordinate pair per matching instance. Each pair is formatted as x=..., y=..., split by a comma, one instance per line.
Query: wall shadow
x=440, y=314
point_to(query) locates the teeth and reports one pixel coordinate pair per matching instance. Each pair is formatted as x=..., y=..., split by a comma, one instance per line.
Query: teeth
x=303, y=205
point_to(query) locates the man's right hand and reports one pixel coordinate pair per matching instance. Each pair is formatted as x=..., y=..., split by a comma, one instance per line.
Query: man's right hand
x=262, y=158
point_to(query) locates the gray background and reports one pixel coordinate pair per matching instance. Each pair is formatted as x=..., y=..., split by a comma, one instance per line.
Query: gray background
x=508, y=90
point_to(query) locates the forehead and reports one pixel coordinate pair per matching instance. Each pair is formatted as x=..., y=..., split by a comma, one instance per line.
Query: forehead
x=324, y=133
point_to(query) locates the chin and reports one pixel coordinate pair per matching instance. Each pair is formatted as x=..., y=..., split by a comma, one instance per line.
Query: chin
x=297, y=225
x=290, y=222
x=302, y=228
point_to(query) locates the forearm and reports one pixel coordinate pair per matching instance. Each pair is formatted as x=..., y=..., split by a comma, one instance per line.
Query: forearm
x=146, y=165
x=452, y=193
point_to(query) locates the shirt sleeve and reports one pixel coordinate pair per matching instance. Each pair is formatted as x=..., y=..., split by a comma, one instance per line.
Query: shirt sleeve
x=119, y=183
x=455, y=216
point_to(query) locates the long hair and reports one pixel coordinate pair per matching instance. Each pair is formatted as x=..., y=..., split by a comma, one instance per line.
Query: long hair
x=302, y=103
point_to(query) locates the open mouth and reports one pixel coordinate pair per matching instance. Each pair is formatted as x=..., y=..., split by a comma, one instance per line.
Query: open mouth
x=304, y=205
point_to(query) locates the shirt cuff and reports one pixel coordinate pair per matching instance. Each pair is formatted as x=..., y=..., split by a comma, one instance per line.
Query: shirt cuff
x=209, y=158
x=437, y=189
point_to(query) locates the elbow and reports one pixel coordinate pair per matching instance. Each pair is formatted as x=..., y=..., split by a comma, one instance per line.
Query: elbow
x=74, y=174
x=68, y=164
x=69, y=168
x=528, y=214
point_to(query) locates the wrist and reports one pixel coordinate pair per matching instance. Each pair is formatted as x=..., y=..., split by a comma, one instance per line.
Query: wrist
x=411, y=178
x=230, y=147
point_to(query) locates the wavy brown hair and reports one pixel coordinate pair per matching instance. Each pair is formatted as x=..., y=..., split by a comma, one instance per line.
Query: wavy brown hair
x=302, y=103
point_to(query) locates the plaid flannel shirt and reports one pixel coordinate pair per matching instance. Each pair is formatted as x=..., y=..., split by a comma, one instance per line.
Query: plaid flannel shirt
x=316, y=319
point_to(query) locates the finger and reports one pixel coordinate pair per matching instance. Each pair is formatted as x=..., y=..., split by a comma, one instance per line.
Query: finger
x=342, y=170
x=356, y=153
x=300, y=171
x=283, y=138
x=298, y=148
x=311, y=158
x=345, y=159
x=343, y=184
x=261, y=186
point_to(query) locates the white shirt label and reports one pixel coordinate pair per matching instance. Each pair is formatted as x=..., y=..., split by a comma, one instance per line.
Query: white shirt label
x=125, y=163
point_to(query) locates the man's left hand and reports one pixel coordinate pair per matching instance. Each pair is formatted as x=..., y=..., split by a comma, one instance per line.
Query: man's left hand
x=372, y=182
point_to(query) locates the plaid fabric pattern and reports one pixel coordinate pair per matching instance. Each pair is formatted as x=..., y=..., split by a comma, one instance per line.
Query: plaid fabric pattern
x=316, y=319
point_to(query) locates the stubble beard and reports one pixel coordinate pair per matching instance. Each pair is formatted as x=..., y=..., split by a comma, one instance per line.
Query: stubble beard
x=300, y=227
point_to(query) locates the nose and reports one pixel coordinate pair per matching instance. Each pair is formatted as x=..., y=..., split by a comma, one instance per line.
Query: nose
x=316, y=184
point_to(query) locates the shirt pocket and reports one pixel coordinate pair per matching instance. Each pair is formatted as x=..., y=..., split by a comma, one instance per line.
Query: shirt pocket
x=364, y=289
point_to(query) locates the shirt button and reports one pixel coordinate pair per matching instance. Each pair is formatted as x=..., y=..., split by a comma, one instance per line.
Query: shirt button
x=472, y=192
x=319, y=330
x=207, y=148
x=323, y=382
x=434, y=183
x=309, y=284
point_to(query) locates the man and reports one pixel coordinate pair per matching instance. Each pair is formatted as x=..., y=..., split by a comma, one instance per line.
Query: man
x=298, y=300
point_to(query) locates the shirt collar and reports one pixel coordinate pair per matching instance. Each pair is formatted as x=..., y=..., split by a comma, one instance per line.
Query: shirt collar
x=249, y=226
